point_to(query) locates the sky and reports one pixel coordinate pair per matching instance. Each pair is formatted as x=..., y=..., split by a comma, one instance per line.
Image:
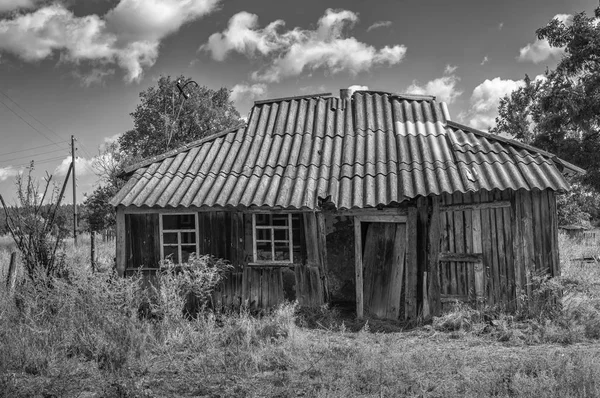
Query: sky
x=76, y=67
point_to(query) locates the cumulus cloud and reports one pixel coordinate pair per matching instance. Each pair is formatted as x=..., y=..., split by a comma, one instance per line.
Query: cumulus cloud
x=83, y=166
x=379, y=24
x=241, y=92
x=485, y=60
x=356, y=87
x=443, y=88
x=8, y=172
x=129, y=35
x=540, y=50
x=485, y=100
x=291, y=52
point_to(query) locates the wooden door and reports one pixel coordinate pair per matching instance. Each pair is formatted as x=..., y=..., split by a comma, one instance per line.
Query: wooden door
x=384, y=263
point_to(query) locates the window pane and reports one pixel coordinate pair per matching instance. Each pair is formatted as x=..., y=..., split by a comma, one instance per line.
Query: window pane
x=171, y=253
x=263, y=234
x=282, y=252
x=188, y=237
x=263, y=219
x=179, y=221
x=170, y=237
x=186, y=251
x=281, y=234
x=263, y=251
x=280, y=219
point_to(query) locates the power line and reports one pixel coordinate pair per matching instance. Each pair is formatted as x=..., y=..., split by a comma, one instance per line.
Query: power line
x=26, y=122
x=36, y=162
x=28, y=149
x=34, y=118
x=33, y=155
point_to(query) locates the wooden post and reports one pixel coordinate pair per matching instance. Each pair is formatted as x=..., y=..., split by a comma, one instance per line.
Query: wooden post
x=11, y=280
x=433, y=250
x=93, y=249
x=478, y=249
x=358, y=268
x=121, y=240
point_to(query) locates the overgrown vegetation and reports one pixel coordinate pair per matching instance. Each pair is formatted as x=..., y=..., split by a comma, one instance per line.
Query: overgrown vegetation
x=85, y=336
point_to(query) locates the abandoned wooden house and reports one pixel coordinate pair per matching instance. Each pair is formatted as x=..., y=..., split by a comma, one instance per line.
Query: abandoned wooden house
x=372, y=198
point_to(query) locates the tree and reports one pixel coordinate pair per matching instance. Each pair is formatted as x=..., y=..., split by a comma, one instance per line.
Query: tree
x=559, y=112
x=166, y=119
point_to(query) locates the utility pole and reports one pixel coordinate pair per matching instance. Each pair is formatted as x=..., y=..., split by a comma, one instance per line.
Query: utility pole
x=74, y=191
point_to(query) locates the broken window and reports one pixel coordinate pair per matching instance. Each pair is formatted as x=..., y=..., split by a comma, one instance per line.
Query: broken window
x=178, y=236
x=276, y=237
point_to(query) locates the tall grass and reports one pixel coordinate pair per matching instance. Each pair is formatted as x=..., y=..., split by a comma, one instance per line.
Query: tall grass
x=83, y=336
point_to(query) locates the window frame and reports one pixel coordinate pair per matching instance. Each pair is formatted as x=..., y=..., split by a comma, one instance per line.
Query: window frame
x=179, y=245
x=272, y=228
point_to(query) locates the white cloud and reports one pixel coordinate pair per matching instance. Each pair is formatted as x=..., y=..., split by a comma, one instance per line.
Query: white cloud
x=291, y=52
x=129, y=35
x=443, y=88
x=379, y=24
x=540, y=50
x=485, y=60
x=485, y=101
x=83, y=166
x=356, y=87
x=500, y=25
x=8, y=172
x=241, y=92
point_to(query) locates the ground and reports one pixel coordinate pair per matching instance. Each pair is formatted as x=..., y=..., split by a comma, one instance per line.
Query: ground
x=89, y=350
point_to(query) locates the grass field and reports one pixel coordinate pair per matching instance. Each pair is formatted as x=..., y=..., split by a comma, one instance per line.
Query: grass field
x=83, y=339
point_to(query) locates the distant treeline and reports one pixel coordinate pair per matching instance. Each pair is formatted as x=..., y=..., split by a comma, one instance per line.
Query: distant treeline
x=64, y=218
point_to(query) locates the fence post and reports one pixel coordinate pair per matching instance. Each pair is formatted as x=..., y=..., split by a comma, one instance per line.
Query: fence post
x=11, y=280
x=93, y=249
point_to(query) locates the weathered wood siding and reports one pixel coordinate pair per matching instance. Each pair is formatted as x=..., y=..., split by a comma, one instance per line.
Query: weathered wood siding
x=516, y=234
x=142, y=241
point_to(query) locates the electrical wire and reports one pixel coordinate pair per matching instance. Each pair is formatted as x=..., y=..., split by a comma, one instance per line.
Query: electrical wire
x=29, y=124
x=28, y=149
x=33, y=155
x=33, y=117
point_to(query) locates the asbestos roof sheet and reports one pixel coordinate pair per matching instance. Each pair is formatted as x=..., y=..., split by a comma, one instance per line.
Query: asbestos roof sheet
x=377, y=149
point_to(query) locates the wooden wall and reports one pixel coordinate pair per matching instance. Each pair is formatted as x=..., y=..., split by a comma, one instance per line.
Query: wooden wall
x=515, y=233
x=228, y=235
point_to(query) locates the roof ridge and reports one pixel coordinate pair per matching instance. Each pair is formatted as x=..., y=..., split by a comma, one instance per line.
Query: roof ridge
x=516, y=143
x=271, y=100
x=176, y=151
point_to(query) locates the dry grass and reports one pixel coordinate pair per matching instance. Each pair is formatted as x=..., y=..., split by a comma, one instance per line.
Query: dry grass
x=84, y=338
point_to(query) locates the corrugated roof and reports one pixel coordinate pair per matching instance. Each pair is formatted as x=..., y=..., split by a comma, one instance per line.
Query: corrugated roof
x=377, y=149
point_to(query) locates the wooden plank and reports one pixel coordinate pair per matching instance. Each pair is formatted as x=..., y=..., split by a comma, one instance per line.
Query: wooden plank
x=433, y=250
x=358, y=268
x=373, y=263
x=411, y=265
x=508, y=247
x=538, y=231
x=475, y=206
x=322, y=245
x=486, y=242
x=546, y=229
x=371, y=212
x=556, y=271
x=502, y=267
x=121, y=242
x=443, y=271
x=468, y=217
x=397, y=272
x=248, y=247
x=451, y=248
x=459, y=244
x=528, y=242
x=11, y=277
x=517, y=243
x=462, y=257
x=423, y=265
x=495, y=271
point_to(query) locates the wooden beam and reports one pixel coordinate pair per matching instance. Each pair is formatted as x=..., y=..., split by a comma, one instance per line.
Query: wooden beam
x=382, y=218
x=411, y=265
x=121, y=263
x=322, y=242
x=463, y=257
x=358, y=270
x=477, y=248
x=476, y=206
x=370, y=212
x=433, y=250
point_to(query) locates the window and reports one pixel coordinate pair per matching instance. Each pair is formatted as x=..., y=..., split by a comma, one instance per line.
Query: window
x=276, y=238
x=178, y=236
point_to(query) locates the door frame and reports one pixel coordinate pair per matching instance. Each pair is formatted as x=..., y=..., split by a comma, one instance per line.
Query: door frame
x=358, y=252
